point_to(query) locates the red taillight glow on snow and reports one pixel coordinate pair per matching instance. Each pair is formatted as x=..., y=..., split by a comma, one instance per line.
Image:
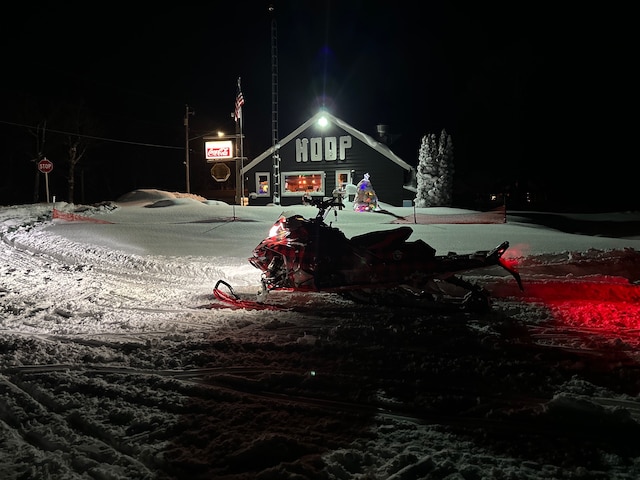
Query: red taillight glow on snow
x=604, y=304
x=510, y=263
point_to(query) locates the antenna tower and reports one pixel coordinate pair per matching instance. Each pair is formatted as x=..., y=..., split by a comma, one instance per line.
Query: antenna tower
x=274, y=107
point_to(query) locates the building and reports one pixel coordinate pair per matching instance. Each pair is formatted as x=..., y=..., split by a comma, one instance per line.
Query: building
x=320, y=155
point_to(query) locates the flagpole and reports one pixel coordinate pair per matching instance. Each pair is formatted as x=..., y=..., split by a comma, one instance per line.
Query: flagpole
x=241, y=163
x=238, y=116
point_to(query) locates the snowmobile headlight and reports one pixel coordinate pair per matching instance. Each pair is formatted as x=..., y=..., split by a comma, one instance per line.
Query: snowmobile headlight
x=273, y=231
x=278, y=228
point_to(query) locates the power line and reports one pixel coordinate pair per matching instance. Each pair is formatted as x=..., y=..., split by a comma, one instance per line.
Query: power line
x=96, y=138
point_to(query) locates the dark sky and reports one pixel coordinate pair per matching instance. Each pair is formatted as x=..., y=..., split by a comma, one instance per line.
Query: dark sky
x=534, y=92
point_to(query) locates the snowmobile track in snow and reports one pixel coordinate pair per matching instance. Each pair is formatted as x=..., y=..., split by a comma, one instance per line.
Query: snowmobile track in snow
x=19, y=379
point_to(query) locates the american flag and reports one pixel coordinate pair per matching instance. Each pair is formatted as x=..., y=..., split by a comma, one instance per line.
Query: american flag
x=239, y=103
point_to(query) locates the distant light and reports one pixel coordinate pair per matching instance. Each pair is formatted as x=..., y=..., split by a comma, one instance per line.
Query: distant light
x=220, y=134
x=323, y=122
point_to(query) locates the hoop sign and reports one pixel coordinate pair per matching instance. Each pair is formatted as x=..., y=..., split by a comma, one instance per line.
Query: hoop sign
x=45, y=166
x=219, y=150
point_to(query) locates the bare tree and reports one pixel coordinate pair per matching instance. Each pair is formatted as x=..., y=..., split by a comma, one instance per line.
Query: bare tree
x=39, y=135
x=76, y=151
x=30, y=112
x=78, y=131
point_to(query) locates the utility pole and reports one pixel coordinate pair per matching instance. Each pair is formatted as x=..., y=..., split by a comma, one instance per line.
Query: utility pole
x=187, y=112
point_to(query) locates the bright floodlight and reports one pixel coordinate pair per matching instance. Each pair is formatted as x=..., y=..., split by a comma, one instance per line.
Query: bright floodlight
x=323, y=122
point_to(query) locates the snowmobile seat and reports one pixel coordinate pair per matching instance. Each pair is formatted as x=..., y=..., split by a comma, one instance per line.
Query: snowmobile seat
x=382, y=240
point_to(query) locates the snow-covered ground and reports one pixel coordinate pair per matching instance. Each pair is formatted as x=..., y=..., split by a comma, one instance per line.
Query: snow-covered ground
x=117, y=361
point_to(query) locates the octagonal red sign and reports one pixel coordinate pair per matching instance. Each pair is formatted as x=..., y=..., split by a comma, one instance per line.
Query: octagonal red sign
x=45, y=166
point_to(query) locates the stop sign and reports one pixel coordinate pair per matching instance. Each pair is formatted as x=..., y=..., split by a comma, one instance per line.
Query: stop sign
x=45, y=166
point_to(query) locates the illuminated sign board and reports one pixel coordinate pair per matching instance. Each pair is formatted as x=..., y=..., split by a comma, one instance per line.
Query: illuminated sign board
x=319, y=149
x=218, y=150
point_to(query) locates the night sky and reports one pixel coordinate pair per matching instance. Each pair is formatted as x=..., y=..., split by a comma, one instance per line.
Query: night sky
x=533, y=95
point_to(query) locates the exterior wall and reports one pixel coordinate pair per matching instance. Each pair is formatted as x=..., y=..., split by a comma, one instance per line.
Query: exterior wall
x=322, y=152
x=264, y=167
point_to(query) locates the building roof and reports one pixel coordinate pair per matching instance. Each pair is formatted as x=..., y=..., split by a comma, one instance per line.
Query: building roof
x=363, y=137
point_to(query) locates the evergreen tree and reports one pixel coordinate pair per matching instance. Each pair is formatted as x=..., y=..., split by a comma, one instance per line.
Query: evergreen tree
x=426, y=173
x=435, y=170
x=446, y=170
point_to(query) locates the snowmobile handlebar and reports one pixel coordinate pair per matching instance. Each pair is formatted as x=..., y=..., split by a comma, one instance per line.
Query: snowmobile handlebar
x=322, y=204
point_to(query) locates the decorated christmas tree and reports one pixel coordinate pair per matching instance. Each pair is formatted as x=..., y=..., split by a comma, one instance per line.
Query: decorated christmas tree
x=366, y=199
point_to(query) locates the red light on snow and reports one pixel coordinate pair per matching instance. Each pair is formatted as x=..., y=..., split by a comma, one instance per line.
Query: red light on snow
x=510, y=263
x=595, y=303
x=516, y=251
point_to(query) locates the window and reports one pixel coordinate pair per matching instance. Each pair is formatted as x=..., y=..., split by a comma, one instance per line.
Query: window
x=263, y=179
x=342, y=178
x=299, y=183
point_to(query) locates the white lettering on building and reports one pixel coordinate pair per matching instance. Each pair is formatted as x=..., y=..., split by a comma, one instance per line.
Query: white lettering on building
x=315, y=145
x=318, y=149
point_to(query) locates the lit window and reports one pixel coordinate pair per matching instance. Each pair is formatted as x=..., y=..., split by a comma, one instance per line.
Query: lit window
x=262, y=183
x=299, y=183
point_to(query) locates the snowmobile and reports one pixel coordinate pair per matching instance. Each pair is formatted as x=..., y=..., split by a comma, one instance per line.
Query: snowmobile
x=381, y=267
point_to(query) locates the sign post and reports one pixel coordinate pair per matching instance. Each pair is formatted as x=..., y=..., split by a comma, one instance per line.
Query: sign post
x=45, y=166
